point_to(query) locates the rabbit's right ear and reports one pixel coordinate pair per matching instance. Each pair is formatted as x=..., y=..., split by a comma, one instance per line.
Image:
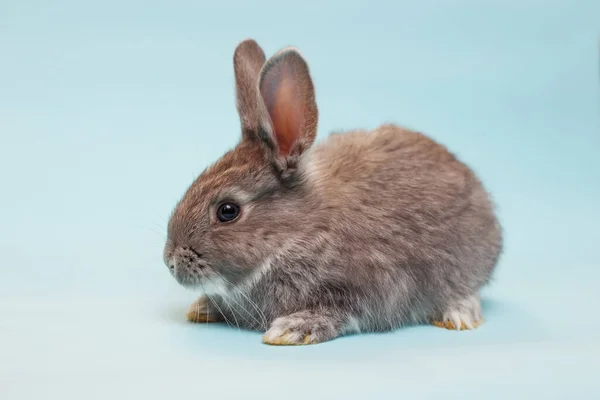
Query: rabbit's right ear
x=248, y=60
x=290, y=114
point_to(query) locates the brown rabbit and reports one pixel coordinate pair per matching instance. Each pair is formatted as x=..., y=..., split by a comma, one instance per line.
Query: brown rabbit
x=367, y=231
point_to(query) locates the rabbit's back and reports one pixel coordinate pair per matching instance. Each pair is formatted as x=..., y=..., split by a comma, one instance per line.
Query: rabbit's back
x=404, y=199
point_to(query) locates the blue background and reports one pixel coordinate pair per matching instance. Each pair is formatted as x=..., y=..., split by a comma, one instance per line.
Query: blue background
x=109, y=109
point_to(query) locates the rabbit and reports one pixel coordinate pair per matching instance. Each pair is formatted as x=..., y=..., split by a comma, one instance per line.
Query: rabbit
x=366, y=231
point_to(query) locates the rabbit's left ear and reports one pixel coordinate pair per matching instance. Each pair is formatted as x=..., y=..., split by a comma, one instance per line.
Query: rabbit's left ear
x=289, y=118
x=248, y=60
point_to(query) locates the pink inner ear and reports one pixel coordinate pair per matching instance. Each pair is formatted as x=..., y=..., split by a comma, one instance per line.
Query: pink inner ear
x=284, y=103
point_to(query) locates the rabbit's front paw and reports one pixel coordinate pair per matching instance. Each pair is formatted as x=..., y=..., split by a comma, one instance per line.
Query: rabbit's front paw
x=200, y=311
x=300, y=328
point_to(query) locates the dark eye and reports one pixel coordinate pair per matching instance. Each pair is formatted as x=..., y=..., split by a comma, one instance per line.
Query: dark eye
x=228, y=212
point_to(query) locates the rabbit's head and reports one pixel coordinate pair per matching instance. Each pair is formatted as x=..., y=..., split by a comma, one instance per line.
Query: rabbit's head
x=241, y=210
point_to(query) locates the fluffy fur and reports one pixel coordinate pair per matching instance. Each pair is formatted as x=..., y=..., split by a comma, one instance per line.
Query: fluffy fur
x=366, y=231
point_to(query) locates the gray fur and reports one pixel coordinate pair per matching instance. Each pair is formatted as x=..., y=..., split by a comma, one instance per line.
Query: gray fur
x=366, y=231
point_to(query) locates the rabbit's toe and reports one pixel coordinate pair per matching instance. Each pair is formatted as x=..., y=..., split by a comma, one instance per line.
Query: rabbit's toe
x=299, y=329
x=278, y=337
x=199, y=311
x=463, y=315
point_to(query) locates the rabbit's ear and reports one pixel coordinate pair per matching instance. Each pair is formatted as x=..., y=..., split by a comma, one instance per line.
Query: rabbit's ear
x=248, y=60
x=290, y=112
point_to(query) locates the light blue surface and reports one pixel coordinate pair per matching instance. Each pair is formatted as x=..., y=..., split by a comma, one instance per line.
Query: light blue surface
x=108, y=110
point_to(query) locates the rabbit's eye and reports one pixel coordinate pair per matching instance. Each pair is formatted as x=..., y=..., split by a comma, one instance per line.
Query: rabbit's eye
x=228, y=212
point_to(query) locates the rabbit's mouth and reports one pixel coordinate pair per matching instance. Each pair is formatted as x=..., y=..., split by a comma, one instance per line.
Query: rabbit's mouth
x=192, y=271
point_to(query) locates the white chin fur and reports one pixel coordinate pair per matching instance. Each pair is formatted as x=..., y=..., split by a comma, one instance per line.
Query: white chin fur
x=212, y=286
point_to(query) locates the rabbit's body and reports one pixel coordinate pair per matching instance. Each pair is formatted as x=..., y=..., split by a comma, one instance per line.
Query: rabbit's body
x=365, y=231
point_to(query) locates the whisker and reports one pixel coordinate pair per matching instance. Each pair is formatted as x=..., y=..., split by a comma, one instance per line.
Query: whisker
x=233, y=311
x=250, y=323
x=226, y=303
x=252, y=303
x=216, y=305
x=198, y=310
x=163, y=236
